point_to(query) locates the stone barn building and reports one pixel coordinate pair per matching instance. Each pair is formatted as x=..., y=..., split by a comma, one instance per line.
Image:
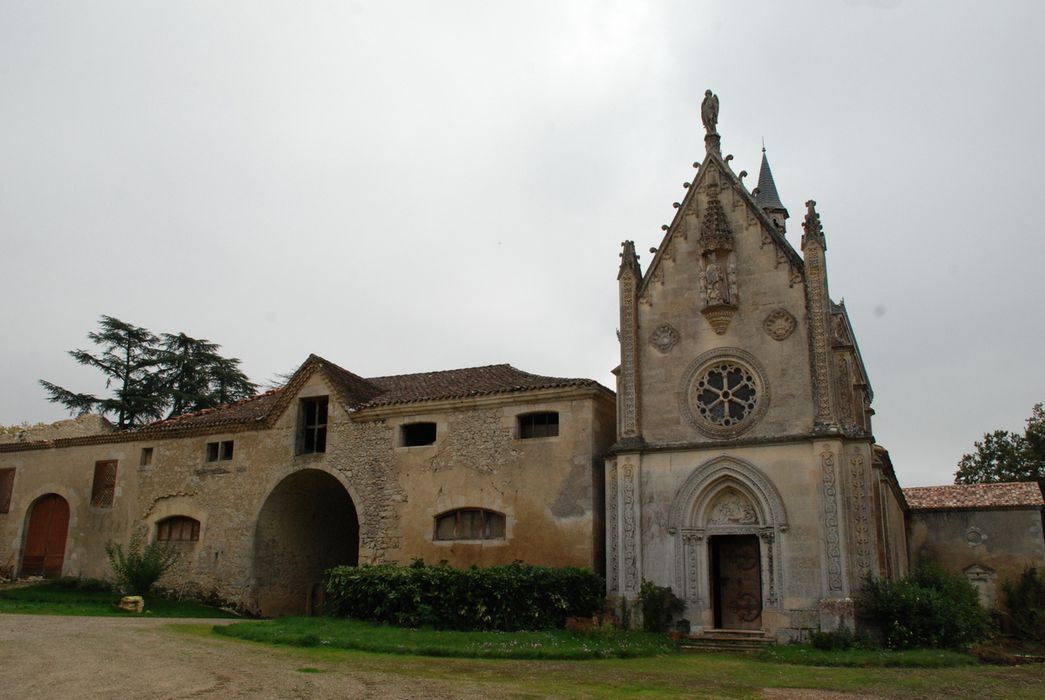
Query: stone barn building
x=475, y=466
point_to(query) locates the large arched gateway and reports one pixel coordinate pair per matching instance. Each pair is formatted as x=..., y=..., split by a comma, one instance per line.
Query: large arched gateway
x=307, y=525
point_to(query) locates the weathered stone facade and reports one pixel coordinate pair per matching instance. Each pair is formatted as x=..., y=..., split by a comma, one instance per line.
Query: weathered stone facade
x=744, y=437
x=272, y=518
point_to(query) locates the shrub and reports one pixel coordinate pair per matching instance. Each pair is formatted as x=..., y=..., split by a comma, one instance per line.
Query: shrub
x=141, y=567
x=842, y=638
x=928, y=608
x=512, y=597
x=1025, y=604
x=659, y=606
x=76, y=583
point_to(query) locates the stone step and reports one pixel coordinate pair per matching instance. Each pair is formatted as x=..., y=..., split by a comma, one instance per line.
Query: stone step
x=728, y=640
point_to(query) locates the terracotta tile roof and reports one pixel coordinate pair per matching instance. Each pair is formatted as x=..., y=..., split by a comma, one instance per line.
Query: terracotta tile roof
x=354, y=391
x=461, y=383
x=254, y=409
x=358, y=393
x=1019, y=494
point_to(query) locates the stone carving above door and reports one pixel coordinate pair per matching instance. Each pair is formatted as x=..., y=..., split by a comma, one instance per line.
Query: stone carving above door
x=732, y=508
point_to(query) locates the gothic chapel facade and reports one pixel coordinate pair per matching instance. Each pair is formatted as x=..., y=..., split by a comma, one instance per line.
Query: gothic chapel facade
x=745, y=475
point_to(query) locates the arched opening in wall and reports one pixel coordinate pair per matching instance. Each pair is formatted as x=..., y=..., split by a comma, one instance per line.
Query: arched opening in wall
x=307, y=525
x=46, y=532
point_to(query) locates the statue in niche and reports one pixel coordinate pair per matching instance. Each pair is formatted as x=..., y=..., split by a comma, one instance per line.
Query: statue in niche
x=713, y=280
x=709, y=112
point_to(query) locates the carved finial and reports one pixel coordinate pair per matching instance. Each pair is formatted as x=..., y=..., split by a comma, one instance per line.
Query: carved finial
x=696, y=165
x=728, y=158
x=814, y=231
x=676, y=205
x=686, y=185
x=709, y=112
x=763, y=144
x=653, y=251
x=664, y=227
x=741, y=176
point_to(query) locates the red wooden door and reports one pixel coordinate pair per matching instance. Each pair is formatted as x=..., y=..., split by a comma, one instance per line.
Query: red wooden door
x=45, y=541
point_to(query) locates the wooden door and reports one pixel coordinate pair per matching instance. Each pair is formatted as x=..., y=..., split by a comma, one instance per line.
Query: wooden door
x=45, y=540
x=737, y=582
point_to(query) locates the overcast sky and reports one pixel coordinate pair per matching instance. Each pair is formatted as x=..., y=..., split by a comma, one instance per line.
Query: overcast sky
x=412, y=186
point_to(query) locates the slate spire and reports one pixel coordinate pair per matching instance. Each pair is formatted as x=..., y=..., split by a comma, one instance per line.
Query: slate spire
x=766, y=196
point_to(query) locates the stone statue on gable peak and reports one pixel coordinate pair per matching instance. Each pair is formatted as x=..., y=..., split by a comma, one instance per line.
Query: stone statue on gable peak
x=709, y=112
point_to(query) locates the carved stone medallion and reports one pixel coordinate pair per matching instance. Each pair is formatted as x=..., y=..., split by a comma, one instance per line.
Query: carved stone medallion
x=779, y=324
x=664, y=338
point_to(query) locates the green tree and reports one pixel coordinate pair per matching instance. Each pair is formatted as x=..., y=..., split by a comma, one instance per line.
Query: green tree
x=1007, y=456
x=151, y=375
x=195, y=376
x=128, y=359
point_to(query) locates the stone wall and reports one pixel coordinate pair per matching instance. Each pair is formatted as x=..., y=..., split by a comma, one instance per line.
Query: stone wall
x=547, y=489
x=988, y=546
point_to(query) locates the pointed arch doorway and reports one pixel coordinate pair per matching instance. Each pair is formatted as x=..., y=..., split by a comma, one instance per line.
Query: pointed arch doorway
x=307, y=525
x=727, y=519
x=46, y=532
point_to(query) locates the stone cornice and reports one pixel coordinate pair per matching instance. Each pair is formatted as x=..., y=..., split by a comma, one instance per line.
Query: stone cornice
x=621, y=448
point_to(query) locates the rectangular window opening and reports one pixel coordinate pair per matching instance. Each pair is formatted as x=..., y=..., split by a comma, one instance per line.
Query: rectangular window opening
x=219, y=451
x=313, y=433
x=146, y=458
x=538, y=425
x=417, y=434
x=103, y=489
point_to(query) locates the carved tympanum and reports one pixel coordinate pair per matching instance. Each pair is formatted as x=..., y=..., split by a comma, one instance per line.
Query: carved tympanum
x=732, y=508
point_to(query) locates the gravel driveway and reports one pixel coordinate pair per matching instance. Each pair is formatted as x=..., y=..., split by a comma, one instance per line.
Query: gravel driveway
x=43, y=656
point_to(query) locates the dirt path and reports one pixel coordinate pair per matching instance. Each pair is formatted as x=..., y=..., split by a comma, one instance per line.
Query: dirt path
x=43, y=656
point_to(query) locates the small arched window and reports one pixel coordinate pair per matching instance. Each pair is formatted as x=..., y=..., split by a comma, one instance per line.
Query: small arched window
x=178, y=528
x=469, y=524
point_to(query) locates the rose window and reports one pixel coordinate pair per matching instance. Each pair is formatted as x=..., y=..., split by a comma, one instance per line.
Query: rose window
x=726, y=394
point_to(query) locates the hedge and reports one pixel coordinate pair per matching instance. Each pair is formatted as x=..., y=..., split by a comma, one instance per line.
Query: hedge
x=513, y=597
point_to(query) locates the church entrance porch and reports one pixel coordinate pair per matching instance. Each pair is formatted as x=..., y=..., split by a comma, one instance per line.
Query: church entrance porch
x=307, y=525
x=736, y=581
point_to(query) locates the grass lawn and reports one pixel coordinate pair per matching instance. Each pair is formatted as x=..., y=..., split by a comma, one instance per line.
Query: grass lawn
x=53, y=598
x=691, y=675
x=883, y=658
x=366, y=636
